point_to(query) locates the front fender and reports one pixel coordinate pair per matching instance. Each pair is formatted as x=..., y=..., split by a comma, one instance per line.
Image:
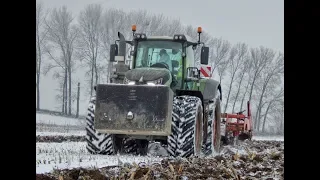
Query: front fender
x=211, y=88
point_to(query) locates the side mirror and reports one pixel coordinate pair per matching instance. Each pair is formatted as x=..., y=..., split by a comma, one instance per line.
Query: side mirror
x=113, y=52
x=192, y=74
x=204, y=55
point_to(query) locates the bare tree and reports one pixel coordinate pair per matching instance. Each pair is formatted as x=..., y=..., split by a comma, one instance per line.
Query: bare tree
x=58, y=65
x=144, y=24
x=62, y=88
x=245, y=88
x=151, y=24
x=270, y=76
x=89, y=39
x=222, y=68
x=236, y=59
x=220, y=50
x=281, y=129
x=113, y=21
x=154, y=24
x=260, y=58
x=171, y=27
x=78, y=99
x=278, y=97
x=245, y=69
x=40, y=41
x=275, y=116
x=62, y=34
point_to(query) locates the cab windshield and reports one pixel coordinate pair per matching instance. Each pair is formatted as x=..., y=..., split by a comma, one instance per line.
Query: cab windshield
x=151, y=52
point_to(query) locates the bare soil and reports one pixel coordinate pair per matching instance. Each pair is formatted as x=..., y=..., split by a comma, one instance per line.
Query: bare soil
x=60, y=139
x=250, y=160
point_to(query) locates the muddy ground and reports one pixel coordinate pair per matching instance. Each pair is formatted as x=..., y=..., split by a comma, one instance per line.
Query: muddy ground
x=60, y=138
x=249, y=160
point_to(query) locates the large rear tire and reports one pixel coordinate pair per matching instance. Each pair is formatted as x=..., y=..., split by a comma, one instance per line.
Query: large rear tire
x=187, y=127
x=213, y=142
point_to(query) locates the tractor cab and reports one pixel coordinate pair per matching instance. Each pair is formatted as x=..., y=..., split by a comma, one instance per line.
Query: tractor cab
x=173, y=53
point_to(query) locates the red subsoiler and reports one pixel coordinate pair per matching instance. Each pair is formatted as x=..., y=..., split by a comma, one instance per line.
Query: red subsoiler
x=237, y=126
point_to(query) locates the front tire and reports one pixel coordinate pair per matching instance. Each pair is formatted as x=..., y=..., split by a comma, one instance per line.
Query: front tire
x=187, y=123
x=97, y=143
x=106, y=144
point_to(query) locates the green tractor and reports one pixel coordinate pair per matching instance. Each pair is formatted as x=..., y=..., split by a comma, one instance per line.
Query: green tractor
x=160, y=99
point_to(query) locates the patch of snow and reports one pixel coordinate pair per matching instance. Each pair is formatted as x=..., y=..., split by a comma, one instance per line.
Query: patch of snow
x=233, y=149
x=268, y=138
x=74, y=154
x=70, y=133
x=58, y=120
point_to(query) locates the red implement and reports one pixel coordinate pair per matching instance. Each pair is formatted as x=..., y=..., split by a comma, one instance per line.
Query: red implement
x=238, y=125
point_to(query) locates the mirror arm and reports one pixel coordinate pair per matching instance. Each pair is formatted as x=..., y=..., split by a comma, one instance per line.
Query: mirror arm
x=130, y=42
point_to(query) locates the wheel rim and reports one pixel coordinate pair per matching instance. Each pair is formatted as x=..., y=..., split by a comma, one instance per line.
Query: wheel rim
x=215, y=128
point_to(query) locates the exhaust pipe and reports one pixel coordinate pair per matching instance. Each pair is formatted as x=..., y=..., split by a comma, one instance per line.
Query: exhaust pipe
x=122, y=45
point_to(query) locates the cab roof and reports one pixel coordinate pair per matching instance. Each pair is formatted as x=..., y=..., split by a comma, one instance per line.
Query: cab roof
x=168, y=37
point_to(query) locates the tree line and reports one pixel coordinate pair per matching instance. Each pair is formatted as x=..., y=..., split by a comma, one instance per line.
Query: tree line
x=65, y=42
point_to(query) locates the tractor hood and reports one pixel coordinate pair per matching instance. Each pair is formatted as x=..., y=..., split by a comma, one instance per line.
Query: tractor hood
x=149, y=75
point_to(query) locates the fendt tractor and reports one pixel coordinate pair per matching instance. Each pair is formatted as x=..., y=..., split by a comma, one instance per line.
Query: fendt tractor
x=158, y=98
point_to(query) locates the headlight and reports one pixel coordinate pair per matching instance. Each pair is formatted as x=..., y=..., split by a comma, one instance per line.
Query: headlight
x=152, y=83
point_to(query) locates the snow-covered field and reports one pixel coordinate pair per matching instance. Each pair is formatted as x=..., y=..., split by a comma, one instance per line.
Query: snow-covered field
x=69, y=133
x=47, y=125
x=58, y=120
x=50, y=156
x=74, y=154
x=83, y=133
x=68, y=155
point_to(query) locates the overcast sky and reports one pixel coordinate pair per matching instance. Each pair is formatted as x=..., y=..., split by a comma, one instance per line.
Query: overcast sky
x=255, y=22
